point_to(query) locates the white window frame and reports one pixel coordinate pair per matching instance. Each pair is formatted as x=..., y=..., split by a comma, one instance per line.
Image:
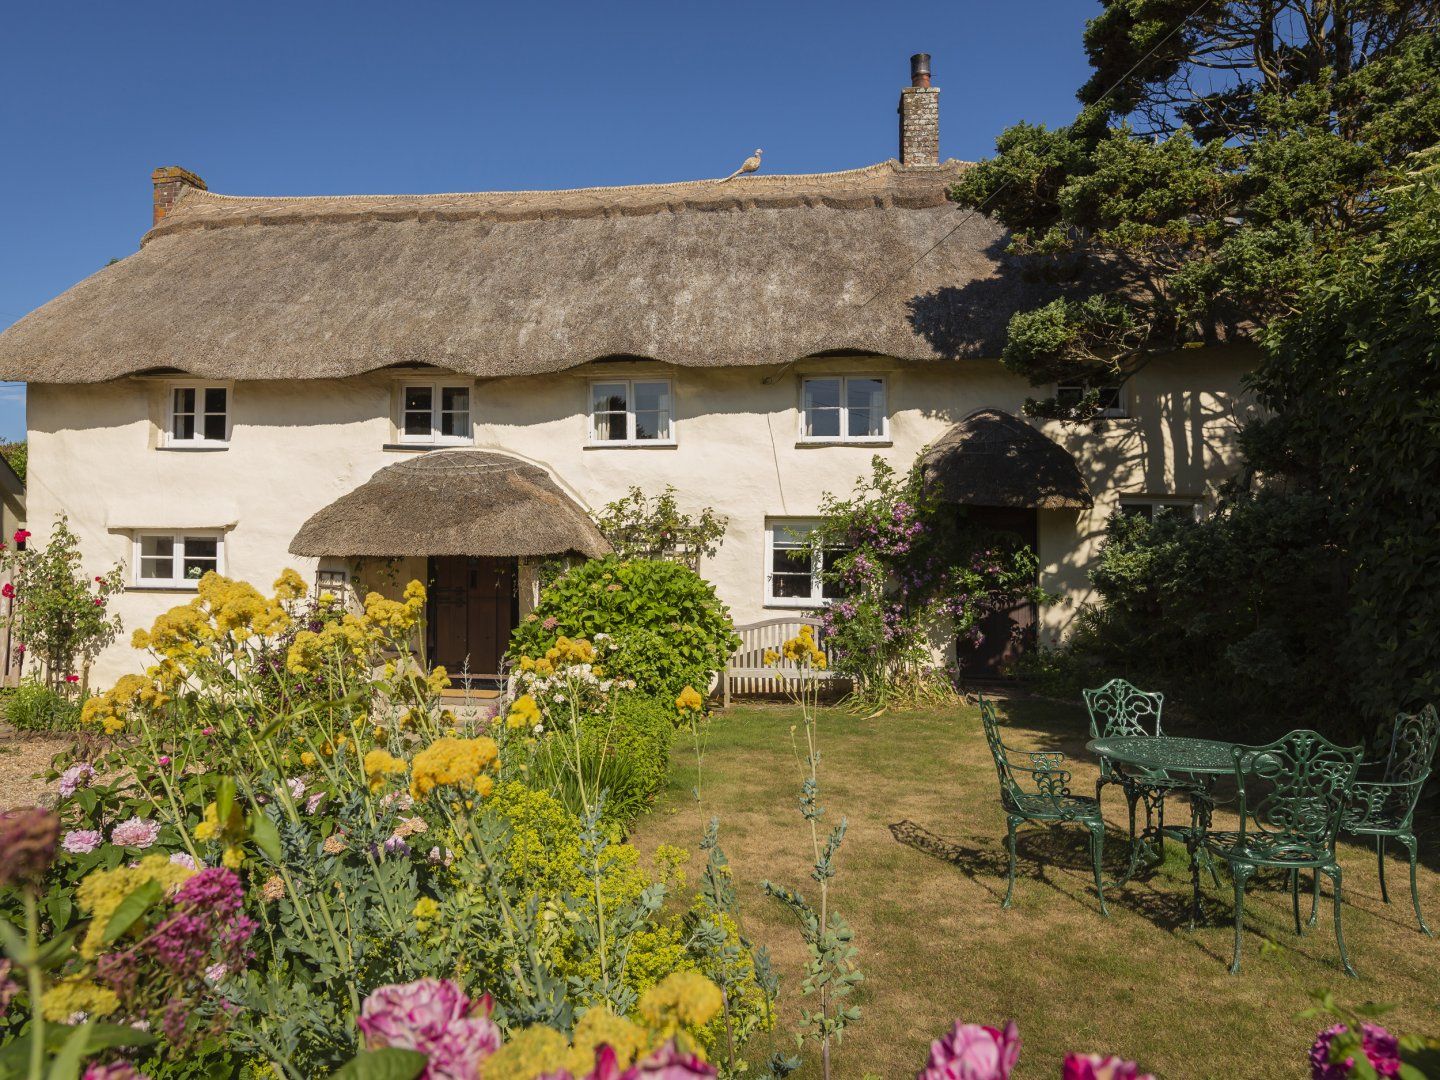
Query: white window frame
x=437, y=388
x=199, y=441
x=844, y=410
x=1151, y=503
x=593, y=438
x=816, y=599
x=1119, y=411
x=177, y=580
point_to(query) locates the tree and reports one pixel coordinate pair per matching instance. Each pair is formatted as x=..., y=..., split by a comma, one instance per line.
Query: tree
x=17, y=455
x=1222, y=152
x=59, y=615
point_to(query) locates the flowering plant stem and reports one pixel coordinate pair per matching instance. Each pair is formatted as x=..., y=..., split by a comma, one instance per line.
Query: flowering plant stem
x=35, y=977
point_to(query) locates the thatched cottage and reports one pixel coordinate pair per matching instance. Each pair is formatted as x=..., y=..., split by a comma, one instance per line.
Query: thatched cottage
x=456, y=381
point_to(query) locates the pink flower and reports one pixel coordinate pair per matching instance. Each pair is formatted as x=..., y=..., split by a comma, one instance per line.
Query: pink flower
x=136, y=833
x=434, y=1017
x=667, y=1063
x=72, y=678
x=81, y=841
x=973, y=1052
x=7, y=590
x=163, y=759
x=21, y=535
x=207, y=731
x=76, y=776
x=185, y=859
x=1095, y=1067
x=115, y=1070
x=99, y=601
x=1380, y=1047
x=18, y=648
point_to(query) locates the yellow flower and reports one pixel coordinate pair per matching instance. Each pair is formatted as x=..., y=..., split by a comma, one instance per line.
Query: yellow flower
x=101, y=891
x=682, y=1001
x=233, y=856
x=524, y=712
x=424, y=911
x=212, y=828
x=771, y=657
x=450, y=761
x=600, y=1027
x=438, y=679
x=76, y=994
x=689, y=700
x=290, y=585
x=531, y=1052
x=380, y=764
x=307, y=759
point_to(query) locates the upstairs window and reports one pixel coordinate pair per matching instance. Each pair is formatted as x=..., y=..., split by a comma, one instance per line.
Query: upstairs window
x=1151, y=508
x=797, y=565
x=631, y=412
x=199, y=416
x=176, y=560
x=435, y=413
x=849, y=408
x=1111, y=397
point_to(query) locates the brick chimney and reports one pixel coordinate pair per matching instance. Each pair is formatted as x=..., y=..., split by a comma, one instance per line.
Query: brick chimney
x=170, y=181
x=920, y=116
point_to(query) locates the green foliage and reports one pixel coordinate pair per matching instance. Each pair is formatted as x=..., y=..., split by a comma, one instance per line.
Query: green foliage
x=36, y=706
x=641, y=527
x=17, y=455
x=1179, y=206
x=61, y=616
x=669, y=628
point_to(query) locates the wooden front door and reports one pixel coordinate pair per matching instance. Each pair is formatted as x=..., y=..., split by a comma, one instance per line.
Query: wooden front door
x=474, y=606
x=1008, y=633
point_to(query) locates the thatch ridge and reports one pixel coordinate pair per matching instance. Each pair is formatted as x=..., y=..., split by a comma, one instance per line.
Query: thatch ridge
x=453, y=502
x=991, y=458
x=761, y=270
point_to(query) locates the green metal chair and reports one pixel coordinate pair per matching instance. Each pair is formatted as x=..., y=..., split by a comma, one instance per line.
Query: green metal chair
x=1035, y=788
x=1290, y=794
x=1385, y=807
x=1119, y=708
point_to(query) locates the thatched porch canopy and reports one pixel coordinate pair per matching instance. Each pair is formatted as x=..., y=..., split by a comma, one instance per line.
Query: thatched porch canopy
x=453, y=502
x=991, y=458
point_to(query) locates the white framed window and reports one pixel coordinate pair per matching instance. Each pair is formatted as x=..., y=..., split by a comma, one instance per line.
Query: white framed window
x=176, y=560
x=198, y=415
x=796, y=564
x=843, y=408
x=1151, y=507
x=435, y=413
x=632, y=412
x=1111, y=402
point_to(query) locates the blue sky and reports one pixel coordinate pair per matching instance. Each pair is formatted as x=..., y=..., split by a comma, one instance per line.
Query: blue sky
x=310, y=98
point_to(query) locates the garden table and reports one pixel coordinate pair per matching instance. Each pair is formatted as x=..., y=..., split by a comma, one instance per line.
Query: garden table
x=1203, y=759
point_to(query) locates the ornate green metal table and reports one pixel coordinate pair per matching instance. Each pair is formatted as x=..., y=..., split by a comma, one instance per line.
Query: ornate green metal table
x=1202, y=759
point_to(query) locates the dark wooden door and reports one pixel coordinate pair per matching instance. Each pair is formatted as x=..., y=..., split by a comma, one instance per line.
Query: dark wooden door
x=1006, y=634
x=473, y=608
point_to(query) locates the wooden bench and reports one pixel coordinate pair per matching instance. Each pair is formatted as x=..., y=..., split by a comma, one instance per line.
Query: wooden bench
x=747, y=672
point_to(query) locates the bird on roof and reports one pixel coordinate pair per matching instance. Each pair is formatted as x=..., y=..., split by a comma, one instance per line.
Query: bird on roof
x=751, y=164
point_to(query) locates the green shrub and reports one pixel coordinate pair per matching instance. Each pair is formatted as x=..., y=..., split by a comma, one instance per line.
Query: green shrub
x=33, y=706
x=669, y=628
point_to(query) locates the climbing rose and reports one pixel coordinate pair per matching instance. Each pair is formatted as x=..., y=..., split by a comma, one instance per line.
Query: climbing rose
x=1382, y=1048
x=1095, y=1067
x=21, y=535
x=434, y=1017
x=973, y=1052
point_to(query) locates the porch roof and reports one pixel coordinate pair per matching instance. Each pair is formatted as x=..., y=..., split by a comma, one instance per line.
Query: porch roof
x=992, y=458
x=453, y=502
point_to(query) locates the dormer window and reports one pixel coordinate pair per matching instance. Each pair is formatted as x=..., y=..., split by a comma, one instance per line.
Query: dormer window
x=435, y=414
x=631, y=412
x=199, y=416
x=843, y=409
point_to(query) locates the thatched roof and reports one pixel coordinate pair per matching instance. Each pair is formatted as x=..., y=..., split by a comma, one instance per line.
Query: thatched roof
x=453, y=502
x=991, y=458
x=758, y=270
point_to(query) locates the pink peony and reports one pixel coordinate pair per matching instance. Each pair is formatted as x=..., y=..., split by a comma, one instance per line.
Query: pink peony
x=1382, y=1048
x=667, y=1063
x=136, y=833
x=973, y=1052
x=115, y=1070
x=434, y=1017
x=185, y=859
x=81, y=841
x=76, y=776
x=1095, y=1067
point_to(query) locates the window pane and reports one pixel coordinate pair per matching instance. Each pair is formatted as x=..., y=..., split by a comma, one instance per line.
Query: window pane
x=607, y=397
x=455, y=399
x=822, y=393
x=201, y=553
x=156, y=558
x=215, y=426
x=184, y=426
x=866, y=401
x=791, y=586
x=185, y=399
x=822, y=423
x=1069, y=394
x=418, y=398
x=829, y=589
x=610, y=427
x=419, y=419
x=1109, y=398
x=215, y=399
x=795, y=535
x=455, y=411
x=1135, y=509
x=652, y=396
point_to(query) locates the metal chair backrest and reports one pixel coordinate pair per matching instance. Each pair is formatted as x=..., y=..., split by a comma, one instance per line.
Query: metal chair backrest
x=1118, y=708
x=1009, y=787
x=1412, y=746
x=1294, y=789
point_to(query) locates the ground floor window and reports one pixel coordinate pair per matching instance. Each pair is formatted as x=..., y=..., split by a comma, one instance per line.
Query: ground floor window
x=176, y=559
x=1150, y=507
x=796, y=564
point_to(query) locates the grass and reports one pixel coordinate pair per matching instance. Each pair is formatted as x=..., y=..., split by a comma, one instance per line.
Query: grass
x=922, y=876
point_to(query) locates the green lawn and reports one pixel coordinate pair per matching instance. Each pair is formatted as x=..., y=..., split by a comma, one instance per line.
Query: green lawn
x=922, y=876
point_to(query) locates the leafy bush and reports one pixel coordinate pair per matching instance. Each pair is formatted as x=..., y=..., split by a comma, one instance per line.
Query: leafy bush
x=668, y=628
x=33, y=706
x=640, y=527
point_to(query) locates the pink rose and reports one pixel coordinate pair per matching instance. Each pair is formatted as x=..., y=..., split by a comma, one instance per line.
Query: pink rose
x=21, y=535
x=72, y=678
x=434, y=1017
x=973, y=1052
x=136, y=833
x=81, y=841
x=7, y=590
x=1095, y=1067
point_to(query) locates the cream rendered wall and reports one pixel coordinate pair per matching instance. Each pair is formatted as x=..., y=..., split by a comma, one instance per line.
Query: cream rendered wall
x=296, y=446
